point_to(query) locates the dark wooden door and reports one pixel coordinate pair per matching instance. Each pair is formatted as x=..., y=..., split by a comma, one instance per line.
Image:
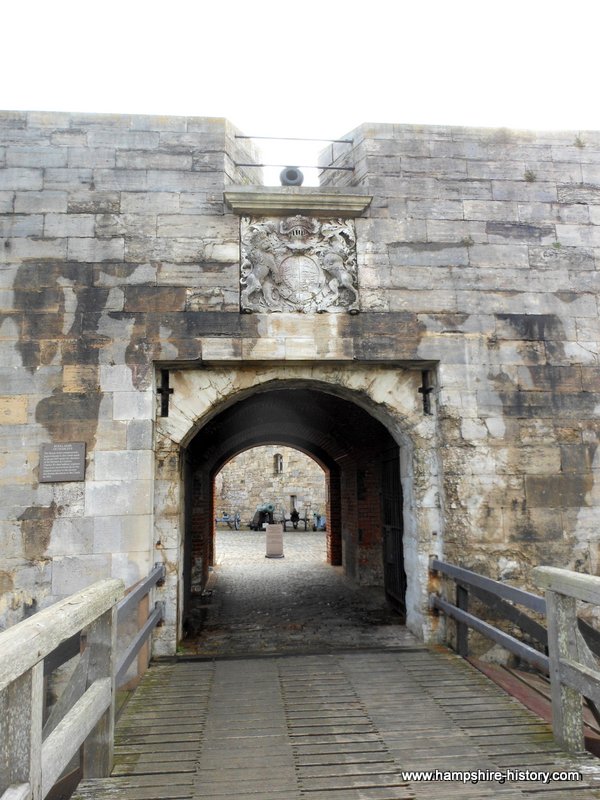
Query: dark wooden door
x=393, y=553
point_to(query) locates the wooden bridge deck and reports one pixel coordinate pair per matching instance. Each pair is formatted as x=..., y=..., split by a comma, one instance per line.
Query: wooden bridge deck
x=340, y=726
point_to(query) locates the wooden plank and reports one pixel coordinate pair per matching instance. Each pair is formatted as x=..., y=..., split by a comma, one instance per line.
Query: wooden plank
x=466, y=576
x=70, y=733
x=568, y=583
x=28, y=642
x=20, y=791
x=137, y=644
x=140, y=590
x=510, y=612
x=97, y=758
x=21, y=705
x=567, y=713
x=513, y=645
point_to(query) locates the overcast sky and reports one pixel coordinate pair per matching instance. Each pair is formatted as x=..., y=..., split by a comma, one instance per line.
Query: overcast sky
x=311, y=68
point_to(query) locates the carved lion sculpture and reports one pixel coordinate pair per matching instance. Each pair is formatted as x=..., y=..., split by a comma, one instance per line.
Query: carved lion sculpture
x=333, y=261
x=259, y=272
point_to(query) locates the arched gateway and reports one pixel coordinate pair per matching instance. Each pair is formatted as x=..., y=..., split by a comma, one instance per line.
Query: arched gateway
x=364, y=425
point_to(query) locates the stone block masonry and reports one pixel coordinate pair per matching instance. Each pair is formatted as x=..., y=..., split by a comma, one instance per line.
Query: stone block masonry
x=477, y=262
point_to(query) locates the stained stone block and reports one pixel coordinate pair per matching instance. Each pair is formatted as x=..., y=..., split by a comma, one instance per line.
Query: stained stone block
x=497, y=170
x=90, y=249
x=556, y=491
x=181, y=181
x=154, y=203
x=92, y=202
x=525, y=191
x=91, y=157
x=140, y=434
x=401, y=300
x=60, y=179
x=456, y=231
x=131, y=567
x=578, y=235
x=123, y=465
x=7, y=201
x=71, y=537
x=141, y=250
x=200, y=203
x=429, y=254
x=129, y=140
x=71, y=574
x=107, y=498
x=36, y=157
x=133, y=405
x=495, y=210
x=122, y=534
x=13, y=410
x=61, y=225
x=21, y=225
x=132, y=159
x=18, y=179
x=113, y=275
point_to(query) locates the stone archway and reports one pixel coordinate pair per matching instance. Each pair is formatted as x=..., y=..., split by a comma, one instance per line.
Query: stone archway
x=219, y=411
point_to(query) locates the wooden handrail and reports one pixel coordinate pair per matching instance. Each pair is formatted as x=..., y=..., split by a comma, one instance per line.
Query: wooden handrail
x=500, y=597
x=510, y=643
x=30, y=765
x=140, y=590
x=572, y=665
x=29, y=642
x=574, y=671
x=503, y=590
x=31, y=759
x=131, y=600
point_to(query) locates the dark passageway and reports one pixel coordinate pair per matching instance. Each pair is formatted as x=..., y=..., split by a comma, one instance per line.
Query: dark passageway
x=359, y=556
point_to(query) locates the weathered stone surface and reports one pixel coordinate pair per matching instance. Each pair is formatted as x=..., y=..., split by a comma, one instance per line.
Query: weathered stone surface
x=13, y=410
x=476, y=264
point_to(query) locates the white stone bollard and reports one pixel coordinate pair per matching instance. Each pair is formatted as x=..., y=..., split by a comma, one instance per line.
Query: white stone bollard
x=274, y=541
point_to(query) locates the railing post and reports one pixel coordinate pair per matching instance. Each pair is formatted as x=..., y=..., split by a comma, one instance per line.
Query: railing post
x=99, y=746
x=567, y=713
x=144, y=654
x=21, y=706
x=462, y=629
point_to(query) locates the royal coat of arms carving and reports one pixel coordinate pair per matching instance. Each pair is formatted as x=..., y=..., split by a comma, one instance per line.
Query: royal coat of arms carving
x=298, y=264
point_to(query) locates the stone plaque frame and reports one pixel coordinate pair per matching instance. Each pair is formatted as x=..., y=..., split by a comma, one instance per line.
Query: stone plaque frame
x=62, y=461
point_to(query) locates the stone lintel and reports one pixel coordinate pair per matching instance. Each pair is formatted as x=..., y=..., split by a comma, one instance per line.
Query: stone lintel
x=395, y=363
x=290, y=200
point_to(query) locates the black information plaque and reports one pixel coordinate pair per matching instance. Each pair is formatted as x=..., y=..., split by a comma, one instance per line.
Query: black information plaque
x=64, y=461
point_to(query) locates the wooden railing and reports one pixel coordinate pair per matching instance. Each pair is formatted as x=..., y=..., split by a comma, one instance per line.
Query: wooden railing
x=33, y=754
x=574, y=671
x=503, y=601
x=569, y=646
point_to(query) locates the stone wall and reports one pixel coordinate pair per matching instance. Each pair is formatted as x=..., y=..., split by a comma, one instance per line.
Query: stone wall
x=489, y=241
x=252, y=478
x=111, y=228
x=477, y=267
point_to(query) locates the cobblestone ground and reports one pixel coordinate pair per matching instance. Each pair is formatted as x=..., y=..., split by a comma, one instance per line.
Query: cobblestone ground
x=297, y=603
